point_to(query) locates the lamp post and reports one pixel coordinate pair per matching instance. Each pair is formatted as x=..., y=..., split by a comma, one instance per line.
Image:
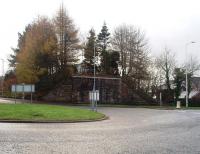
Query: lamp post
x=94, y=84
x=186, y=74
x=2, y=80
x=160, y=93
x=174, y=88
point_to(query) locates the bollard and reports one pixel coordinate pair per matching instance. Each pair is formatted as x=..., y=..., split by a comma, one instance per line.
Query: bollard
x=178, y=104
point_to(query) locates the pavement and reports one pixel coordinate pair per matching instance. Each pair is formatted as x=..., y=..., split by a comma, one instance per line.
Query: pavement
x=128, y=131
x=16, y=101
x=7, y=101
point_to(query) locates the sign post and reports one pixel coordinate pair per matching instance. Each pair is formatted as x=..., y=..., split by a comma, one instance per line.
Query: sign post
x=23, y=92
x=15, y=94
x=23, y=88
x=94, y=97
x=31, y=94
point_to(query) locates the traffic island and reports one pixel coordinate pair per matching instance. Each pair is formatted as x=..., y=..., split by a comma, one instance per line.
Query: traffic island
x=46, y=114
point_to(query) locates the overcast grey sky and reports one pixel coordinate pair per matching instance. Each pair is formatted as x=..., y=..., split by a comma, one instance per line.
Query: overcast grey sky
x=170, y=23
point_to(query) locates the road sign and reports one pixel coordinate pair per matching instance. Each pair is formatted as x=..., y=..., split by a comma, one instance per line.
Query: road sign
x=94, y=95
x=23, y=88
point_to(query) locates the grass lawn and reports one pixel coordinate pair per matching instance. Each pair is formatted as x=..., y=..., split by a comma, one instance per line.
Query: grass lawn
x=37, y=112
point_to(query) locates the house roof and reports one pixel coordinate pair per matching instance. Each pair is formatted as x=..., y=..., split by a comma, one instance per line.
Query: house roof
x=192, y=94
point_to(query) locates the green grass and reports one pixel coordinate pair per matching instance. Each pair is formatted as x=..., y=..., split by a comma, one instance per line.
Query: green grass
x=37, y=112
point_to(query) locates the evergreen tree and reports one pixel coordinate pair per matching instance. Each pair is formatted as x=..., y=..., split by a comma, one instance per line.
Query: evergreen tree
x=20, y=45
x=89, y=51
x=179, y=77
x=103, y=44
x=13, y=58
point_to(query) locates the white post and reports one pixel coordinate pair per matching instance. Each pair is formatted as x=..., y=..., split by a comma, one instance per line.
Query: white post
x=186, y=74
x=160, y=99
x=178, y=105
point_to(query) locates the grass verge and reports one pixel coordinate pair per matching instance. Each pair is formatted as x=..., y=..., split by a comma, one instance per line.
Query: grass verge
x=37, y=112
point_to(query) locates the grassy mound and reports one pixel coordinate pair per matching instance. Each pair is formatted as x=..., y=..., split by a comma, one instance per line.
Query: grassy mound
x=37, y=112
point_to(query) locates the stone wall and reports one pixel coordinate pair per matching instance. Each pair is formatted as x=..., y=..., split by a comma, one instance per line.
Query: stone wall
x=109, y=88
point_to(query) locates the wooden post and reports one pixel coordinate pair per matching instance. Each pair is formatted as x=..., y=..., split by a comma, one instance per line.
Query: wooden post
x=31, y=94
x=15, y=94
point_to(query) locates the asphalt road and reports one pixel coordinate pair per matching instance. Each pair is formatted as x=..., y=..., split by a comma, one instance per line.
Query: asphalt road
x=129, y=130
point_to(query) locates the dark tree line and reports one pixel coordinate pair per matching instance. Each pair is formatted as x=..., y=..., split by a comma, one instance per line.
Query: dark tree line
x=48, y=50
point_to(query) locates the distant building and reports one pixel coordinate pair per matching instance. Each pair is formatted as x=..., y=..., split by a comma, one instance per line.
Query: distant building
x=195, y=88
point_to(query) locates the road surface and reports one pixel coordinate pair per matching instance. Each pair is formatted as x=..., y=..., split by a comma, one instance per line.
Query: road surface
x=128, y=131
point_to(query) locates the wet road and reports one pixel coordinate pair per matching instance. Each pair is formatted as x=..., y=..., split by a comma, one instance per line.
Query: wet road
x=129, y=130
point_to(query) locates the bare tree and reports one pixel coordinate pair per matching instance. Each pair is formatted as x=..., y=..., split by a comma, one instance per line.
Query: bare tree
x=119, y=42
x=166, y=64
x=155, y=78
x=67, y=38
x=192, y=65
x=130, y=42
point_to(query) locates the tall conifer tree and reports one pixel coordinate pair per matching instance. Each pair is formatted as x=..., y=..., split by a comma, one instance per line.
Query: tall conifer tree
x=89, y=51
x=103, y=44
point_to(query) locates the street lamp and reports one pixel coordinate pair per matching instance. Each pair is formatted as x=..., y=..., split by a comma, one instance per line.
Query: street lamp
x=94, y=84
x=186, y=74
x=174, y=88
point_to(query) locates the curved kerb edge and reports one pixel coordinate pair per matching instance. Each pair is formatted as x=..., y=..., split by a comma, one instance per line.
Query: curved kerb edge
x=53, y=121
